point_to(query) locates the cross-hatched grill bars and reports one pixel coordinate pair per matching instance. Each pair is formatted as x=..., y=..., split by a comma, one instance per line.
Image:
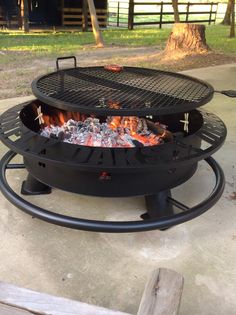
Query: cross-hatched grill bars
x=138, y=91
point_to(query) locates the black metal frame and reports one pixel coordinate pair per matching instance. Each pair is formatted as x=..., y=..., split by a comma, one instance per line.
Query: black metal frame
x=184, y=150
x=109, y=226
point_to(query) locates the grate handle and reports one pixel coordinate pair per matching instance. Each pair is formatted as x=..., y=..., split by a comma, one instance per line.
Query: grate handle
x=65, y=58
x=229, y=93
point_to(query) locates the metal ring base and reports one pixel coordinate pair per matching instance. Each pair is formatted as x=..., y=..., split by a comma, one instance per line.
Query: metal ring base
x=110, y=226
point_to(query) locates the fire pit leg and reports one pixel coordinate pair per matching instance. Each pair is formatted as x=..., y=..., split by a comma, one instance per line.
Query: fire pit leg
x=158, y=205
x=31, y=186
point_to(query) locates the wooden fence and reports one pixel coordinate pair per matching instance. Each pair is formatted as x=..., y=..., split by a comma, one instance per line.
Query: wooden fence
x=159, y=13
x=118, y=13
x=77, y=17
x=13, y=21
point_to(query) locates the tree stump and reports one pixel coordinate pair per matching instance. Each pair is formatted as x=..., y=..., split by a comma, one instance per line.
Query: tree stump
x=187, y=39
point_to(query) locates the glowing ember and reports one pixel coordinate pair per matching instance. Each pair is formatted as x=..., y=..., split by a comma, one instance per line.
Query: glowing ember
x=115, y=131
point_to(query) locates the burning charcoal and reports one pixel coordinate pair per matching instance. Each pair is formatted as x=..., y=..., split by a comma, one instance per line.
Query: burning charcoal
x=80, y=124
x=107, y=142
x=67, y=135
x=127, y=131
x=88, y=121
x=53, y=136
x=96, y=121
x=71, y=122
x=143, y=125
x=128, y=142
x=61, y=136
x=73, y=128
x=158, y=129
x=137, y=143
x=84, y=138
x=45, y=132
x=115, y=132
x=97, y=140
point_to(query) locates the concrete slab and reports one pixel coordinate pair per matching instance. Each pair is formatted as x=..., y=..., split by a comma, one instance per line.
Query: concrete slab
x=111, y=270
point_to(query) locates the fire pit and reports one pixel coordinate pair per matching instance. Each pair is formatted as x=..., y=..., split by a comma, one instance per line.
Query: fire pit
x=115, y=132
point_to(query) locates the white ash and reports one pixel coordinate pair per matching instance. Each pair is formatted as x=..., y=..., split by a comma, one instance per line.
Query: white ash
x=91, y=132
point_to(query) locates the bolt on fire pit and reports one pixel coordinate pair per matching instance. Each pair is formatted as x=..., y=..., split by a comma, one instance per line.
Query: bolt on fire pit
x=113, y=132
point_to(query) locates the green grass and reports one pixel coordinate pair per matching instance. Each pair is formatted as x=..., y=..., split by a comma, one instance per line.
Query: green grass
x=137, y=37
x=218, y=39
x=44, y=42
x=70, y=42
x=54, y=44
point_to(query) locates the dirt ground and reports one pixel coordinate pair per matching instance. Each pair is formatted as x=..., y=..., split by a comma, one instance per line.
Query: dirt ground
x=20, y=68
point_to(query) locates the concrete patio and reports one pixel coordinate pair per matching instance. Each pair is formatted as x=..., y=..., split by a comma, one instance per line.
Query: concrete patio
x=110, y=270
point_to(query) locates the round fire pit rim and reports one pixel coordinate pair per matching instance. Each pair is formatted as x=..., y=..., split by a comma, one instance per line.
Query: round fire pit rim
x=168, y=164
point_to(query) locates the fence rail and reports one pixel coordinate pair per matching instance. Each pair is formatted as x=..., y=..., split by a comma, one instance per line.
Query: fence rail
x=118, y=13
x=158, y=13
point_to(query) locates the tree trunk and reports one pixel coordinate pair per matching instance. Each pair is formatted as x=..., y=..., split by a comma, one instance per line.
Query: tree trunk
x=25, y=15
x=96, y=30
x=227, y=17
x=85, y=16
x=187, y=39
x=176, y=10
x=232, y=26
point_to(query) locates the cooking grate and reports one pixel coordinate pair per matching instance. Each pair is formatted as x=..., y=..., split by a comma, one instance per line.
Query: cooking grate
x=137, y=91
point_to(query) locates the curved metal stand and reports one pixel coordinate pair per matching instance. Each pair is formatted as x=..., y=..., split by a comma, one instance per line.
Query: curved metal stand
x=110, y=226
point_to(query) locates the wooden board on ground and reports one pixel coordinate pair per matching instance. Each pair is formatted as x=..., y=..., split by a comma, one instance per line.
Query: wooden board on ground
x=162, y=296
x=9, y=310
x=45, y=304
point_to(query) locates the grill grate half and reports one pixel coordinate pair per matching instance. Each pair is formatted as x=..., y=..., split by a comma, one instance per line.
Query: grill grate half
x=138, y=91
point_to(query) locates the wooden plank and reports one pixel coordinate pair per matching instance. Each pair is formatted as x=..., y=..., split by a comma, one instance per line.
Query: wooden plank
x=36, y=302
x=162, y=294
x=101, y=11
x=171, y=13
x=169, y=22
x=80, y=23
x=100, y=23
x=12, y=22
x=170, y=3
x=72, y=23
x=101, y=16
x=9, y=310
x=71, y=10
x=79, y=16
x=72, y=16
